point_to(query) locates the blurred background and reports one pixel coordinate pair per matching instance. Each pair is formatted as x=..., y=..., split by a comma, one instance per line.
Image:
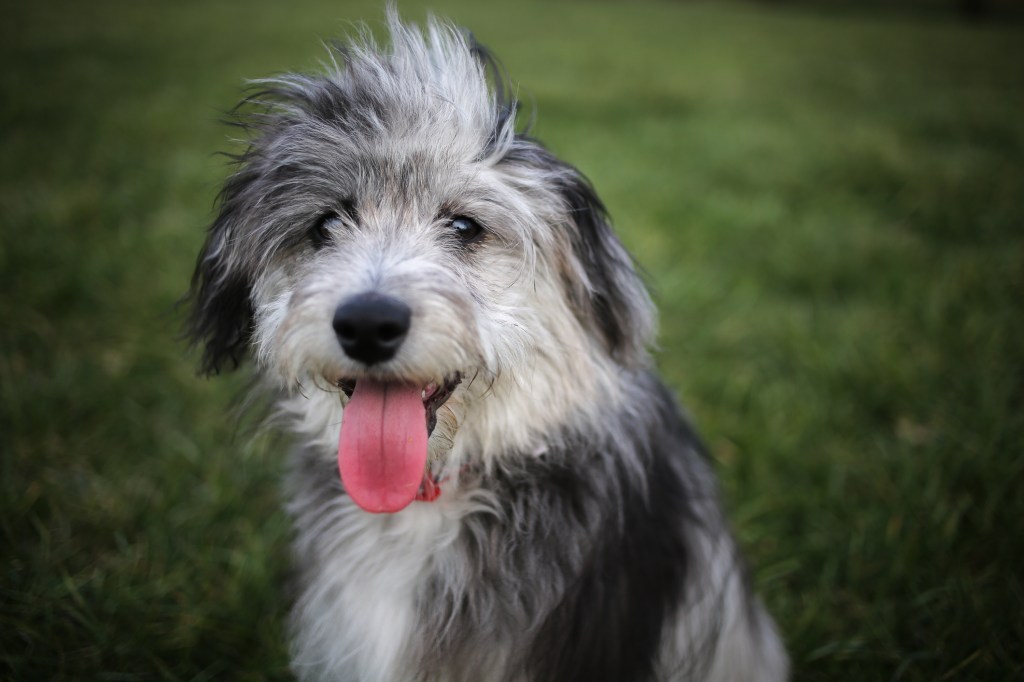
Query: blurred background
x=828, y=198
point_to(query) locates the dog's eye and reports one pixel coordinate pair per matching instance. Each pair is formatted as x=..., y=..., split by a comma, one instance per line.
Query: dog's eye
x=467, y=229
x=323, y=229
x=320, y=233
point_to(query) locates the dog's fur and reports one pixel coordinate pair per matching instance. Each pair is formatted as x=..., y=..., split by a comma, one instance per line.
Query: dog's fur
x=579, y=534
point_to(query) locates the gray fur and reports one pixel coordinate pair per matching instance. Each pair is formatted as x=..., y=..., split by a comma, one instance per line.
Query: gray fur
x=579, y=533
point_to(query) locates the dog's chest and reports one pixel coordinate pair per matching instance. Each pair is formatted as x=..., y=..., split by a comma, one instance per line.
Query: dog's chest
x=375, y=607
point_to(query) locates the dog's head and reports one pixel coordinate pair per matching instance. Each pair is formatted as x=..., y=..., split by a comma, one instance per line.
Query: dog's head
x=389, y=232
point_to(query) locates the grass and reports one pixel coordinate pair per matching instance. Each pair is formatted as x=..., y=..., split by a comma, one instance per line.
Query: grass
x=830, y=208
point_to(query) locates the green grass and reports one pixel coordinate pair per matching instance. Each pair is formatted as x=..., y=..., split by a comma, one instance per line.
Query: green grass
x=830, y=207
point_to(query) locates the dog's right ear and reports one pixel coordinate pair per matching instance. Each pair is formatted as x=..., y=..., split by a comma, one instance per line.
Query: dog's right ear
x=221, y=313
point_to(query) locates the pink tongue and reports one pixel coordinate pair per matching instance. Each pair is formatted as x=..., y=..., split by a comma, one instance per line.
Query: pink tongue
x=383, y=446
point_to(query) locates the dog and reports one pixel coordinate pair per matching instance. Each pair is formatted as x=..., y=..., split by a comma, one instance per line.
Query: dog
x=489, y=481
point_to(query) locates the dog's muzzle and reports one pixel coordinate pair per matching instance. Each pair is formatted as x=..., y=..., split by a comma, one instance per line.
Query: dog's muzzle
x=371, y=327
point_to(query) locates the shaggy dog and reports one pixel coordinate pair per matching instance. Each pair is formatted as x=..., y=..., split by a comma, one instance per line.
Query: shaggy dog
x=489, y=482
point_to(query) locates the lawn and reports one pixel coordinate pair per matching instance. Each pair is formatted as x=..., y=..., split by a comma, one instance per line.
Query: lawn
x=830, y=208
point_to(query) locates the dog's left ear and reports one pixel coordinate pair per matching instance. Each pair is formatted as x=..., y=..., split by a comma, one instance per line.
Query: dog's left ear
x=607, y=291
x=221, y=315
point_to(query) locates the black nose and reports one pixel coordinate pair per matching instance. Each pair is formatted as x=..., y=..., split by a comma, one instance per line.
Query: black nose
x=371, y=327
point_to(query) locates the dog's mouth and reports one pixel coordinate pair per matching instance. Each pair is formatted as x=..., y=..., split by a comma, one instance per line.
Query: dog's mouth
x=433, y=395
x=382, y=450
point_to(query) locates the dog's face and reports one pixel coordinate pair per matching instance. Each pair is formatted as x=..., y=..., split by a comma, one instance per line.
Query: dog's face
x=389, y=240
